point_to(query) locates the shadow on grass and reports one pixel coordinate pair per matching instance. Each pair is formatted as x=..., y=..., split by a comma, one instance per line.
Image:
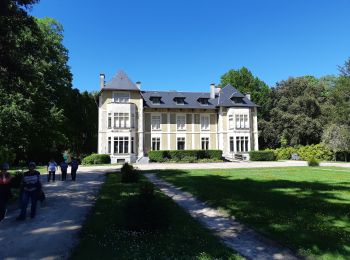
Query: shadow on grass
x=311, y=217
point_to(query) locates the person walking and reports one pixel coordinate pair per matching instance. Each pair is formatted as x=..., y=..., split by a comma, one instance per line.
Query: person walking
x=30, y=189
x=64, y=167
x=74, y=167
x=5, y=189
x=51, y=168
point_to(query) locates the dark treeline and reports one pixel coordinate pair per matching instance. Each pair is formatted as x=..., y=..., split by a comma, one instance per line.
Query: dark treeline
x=41, y=115
x=300, y=110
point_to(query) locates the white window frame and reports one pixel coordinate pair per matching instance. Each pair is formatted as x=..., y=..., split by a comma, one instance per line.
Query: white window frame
x=242, y=121
x=156, y=122
x=121, y=120
x=181, y=126
x=231, y=122
x=203, y=127
x=109, y=120
x=121, y=142
x=121, y=97
x=242, y=144
x=177, y=142
x=155, y=143
x=207, y=143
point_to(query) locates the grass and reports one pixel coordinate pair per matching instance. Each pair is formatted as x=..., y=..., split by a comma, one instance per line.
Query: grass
x=305, y=208
x=106, y=234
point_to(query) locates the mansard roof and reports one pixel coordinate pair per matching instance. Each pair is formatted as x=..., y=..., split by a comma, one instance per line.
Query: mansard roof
x=121, y=81
x=227, y=97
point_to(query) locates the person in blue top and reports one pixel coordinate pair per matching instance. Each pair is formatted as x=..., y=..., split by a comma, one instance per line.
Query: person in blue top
x=30, y=189
x=74, y=167
x=64, y=167
x=51, y=168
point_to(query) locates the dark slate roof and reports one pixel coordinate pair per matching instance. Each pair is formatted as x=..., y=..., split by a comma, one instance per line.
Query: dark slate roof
x=223, y=98
x=167, y=99
x=121, y=81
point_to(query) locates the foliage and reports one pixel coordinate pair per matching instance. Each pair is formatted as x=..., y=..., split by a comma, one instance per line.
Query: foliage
x=16, y=179
x=129, y=174
x=244, y=81
x=337, y=138
x=105, y=236
x=316, y=151
x=96, y=159
x=184, y=155
x=284, y=153
x=313, y=162
x=262, y=156
x=291, y=205
x=40, y=113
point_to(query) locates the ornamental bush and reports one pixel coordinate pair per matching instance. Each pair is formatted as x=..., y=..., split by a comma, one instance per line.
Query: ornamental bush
x=262, y=156
x=96, y=159
x=313, y=162
x=129, y=174
x=184, y=155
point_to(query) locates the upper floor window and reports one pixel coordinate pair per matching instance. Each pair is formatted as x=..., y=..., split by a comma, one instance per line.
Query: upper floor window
x=205, y=122
x=109, y=120
x=179, y=100
x=155, y=100
x=230, y=122
x=237, y=100
x=121, y=120
x=181, y=122
x=121, y=97
x=204, y=101
x=155, y=123
x=242, y=121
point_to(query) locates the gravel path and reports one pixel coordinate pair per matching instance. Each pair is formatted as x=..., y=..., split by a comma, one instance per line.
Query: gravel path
x=54, y=231
x=235, y=235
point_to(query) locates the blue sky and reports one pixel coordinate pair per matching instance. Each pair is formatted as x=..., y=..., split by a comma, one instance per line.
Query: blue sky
x=188, y=44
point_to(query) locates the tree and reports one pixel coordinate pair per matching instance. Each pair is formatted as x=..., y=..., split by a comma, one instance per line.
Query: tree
x=337, y=138
x=244, y=81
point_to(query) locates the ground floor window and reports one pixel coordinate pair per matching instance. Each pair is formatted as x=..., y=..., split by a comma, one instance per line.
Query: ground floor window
x=132, y=145
x=121, y=144
x=109, y=145
x=232, y=148
x=242, y=143
x=205, y=143
x=155, y=143
x=181, y=143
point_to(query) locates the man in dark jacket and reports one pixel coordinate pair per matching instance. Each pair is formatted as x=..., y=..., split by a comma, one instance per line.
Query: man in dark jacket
x=5, y=189
x=30, y=189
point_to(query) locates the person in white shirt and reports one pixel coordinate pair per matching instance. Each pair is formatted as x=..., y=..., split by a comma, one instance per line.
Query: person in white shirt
x=51, y=168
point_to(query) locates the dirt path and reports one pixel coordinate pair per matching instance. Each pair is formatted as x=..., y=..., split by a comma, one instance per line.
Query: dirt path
x=243, y=240
x=54, y=232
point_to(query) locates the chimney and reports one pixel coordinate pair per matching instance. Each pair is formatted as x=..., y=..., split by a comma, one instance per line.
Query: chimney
x=247, y=96
x=102, y=80
x=138, y=84
x=212, y=91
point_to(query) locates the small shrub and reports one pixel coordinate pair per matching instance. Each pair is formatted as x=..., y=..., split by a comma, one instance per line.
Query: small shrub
x=97, y=159
x=129, y=174
x=188, y=156
x=262, y=156
x=313, y=162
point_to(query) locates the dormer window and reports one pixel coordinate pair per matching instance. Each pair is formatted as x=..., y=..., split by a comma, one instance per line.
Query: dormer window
x=204, y=101
x=155, y=100
x=121, y=97
x=237, y=100
x=179, y=100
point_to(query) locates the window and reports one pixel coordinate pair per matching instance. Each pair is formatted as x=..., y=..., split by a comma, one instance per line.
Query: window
x=181, y=143
x=242, y=121
x=121, y=97
x=155, y=143
x=132, y=145
x=132, y=122
x=230, y=122
x=232, y=148
x=205, y=122
x=204, y=101
x=155, y=100
x=179, y=100
x=181, y=122
x=109, y=120
x=205, y=143
x=238, y=100
x=121, y=120
x=121, y=144
x=155, y=123
x=242, y=143
x=109, y=145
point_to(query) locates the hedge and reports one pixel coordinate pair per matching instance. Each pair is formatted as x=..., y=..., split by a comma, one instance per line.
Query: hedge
x=262, y=156
x=315, y=151
x=97, y=159
x=184, y=155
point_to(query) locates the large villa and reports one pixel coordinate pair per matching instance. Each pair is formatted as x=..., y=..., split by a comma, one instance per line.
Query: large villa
x=133, y=122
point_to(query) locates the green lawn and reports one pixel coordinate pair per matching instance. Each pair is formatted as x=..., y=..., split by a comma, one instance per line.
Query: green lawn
x=106, y=236
x=305, y=208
